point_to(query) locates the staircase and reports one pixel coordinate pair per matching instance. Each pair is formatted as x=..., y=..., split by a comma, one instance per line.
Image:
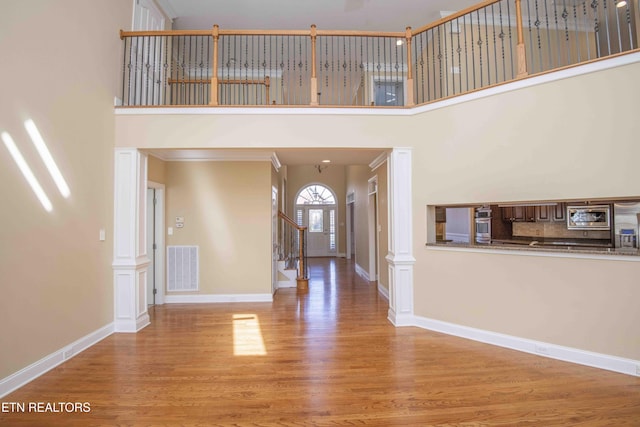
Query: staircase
x=292, y=267
x=286, y=276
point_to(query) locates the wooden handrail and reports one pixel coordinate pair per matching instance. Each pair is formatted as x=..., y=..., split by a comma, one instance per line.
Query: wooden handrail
x=290, y=221
x=455, y=16
x=302, y=280
x=124, y=34
x=397, y=34
x=524, y=70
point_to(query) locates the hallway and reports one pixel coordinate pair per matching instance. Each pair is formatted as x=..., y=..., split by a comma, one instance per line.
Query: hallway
x=325, y=357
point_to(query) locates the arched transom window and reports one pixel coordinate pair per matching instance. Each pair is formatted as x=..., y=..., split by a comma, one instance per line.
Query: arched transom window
x=315, y=194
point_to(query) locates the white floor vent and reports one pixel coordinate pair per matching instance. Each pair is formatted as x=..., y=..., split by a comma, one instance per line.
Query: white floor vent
x=182, y=268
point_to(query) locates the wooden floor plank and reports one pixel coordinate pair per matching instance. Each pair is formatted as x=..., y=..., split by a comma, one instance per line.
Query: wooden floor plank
x=332, y=359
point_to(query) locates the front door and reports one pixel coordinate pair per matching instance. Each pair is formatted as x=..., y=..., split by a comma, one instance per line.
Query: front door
x=321, y=229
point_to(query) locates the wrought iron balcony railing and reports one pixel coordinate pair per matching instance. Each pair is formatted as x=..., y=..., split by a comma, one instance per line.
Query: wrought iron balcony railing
x=494, y=42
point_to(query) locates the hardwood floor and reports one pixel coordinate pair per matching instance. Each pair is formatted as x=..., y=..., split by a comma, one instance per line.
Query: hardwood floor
x=327, y=358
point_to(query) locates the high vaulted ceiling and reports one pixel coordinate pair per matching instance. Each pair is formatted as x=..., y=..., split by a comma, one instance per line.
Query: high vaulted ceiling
x=363, y=15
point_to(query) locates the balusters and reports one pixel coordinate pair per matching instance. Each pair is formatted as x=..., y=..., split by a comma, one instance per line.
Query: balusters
x=473, y=49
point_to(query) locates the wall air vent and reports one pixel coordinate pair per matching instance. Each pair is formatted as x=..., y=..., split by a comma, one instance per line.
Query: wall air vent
x=182, y=268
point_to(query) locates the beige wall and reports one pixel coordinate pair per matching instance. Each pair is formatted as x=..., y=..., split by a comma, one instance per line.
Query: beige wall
x=333, y=177
x=227, y=213
x=356, y=181
x=560, y=140
x=574, y=138
x=56, y=274
x=156, y=170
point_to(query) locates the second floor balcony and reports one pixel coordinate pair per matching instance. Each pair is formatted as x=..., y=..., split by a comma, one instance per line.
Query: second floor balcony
x=492, y=43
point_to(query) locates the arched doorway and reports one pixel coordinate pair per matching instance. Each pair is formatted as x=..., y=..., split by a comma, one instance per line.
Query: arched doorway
x=315, y=207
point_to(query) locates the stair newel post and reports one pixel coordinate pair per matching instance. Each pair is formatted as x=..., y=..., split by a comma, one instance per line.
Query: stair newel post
x=410, y=102
x=214, y=72
x=302, y=280
x=314, y=76
x=520, y=49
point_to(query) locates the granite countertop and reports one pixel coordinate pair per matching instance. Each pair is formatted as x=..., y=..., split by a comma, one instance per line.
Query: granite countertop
x=582, y=246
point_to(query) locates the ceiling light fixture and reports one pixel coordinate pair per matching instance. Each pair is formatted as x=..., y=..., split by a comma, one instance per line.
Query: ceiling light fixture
x=320, y=168
x=622, y=3
x=326, y=161
x=399, y=42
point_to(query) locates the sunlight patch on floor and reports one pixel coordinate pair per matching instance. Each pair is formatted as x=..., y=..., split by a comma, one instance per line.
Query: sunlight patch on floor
x=247, y=336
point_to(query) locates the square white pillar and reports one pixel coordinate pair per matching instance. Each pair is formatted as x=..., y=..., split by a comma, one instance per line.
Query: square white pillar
x=130, y=258
x=400, y=257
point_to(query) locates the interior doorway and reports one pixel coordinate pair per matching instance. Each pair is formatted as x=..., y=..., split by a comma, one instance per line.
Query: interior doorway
x=351, y=226
x=274, y=239
x=374, y=228
x=155, y=243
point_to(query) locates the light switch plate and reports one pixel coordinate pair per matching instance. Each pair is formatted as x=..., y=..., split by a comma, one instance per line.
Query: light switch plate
x=170, y=231
x=102, y=235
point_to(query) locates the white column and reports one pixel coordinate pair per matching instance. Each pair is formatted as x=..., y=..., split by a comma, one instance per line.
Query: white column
x=130, y=258
x=400, y=257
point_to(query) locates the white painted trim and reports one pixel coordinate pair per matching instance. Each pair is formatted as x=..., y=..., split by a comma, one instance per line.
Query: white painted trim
x=373, y=226
x=130, y=261
x=167, y=9
x=383, y=291
x=275, y=161
x=351, y=199
x=533, y=252
x=378, y=161
x=578, y=70
x=567, y=354
x=215, y=155
x=289, y=284
x=341, y=255
x=33, y=371
x=362, y=273
x=160, y=227
x=400, y=258
x=216, y=298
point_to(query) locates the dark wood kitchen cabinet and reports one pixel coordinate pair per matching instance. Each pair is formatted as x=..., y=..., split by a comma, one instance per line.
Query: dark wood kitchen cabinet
x=519, y=213
x=544, y=213
x=559, y=212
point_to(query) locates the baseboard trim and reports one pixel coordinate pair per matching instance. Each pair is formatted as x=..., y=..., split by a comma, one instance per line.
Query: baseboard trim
x=42, y=366
x=383, y=291
x=539, y=348
x=215, y=298
x=289, y=284
x=362, y=273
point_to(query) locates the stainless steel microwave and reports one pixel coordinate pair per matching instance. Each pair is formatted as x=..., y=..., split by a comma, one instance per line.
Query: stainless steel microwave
x=595, y=217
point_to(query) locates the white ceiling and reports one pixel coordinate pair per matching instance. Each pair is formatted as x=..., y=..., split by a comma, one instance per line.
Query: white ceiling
x=364, y=15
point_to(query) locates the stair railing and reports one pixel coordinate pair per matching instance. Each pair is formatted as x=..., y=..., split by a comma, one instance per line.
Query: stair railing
x=293, y=249
x=491, y=43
